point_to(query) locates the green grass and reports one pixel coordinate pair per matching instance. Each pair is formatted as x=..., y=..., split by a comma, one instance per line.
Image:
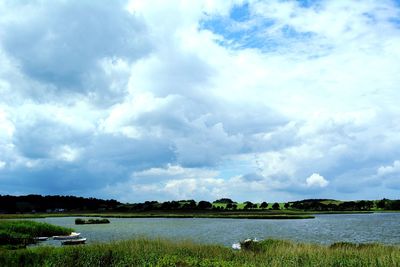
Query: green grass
x=145, y=252
x=21, y=233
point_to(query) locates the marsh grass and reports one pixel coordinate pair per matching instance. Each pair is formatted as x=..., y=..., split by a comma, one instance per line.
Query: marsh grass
x=21, y=233
x=159, y=252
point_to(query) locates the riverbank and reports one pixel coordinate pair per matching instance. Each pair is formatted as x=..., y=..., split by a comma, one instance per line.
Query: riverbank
x=146, y=252
x=218, y=215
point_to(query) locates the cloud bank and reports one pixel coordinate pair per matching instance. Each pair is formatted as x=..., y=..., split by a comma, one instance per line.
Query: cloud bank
x=254, y=100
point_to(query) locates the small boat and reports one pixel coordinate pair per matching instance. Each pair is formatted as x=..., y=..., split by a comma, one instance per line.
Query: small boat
x=73, y=235
x=244, y=244
x=236, y=246
x=74, y=241
x=41, y=238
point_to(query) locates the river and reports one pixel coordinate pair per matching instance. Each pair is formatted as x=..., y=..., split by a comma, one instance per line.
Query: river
x=324, y=229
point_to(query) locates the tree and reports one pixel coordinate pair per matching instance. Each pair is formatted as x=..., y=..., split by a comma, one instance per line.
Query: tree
x=224, y=201
x=381, y=203
x=203, y=205
x=287, y=205
x=264, y=205
x=275, y=206
x=248, y=205
x=229, y=206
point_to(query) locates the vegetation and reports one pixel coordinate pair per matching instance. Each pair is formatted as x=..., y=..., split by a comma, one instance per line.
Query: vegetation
x=224, y=200
x=35, y=204
x=144, y=252
x=91, y=221
x=38, y=203
x=21, y=233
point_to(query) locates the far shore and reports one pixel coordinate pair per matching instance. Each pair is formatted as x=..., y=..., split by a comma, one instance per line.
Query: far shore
x=281, y=215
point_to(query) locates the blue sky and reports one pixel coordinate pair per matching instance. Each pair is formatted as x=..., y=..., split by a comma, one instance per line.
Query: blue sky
x=156, y=100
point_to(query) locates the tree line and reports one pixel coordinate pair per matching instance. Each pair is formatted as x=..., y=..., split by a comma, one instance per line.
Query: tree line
x=38, y=203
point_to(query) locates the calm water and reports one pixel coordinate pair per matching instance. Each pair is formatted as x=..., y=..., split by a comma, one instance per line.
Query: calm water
x=324, y=229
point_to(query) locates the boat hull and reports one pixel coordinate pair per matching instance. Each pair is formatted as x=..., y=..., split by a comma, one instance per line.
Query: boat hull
x=73, y=235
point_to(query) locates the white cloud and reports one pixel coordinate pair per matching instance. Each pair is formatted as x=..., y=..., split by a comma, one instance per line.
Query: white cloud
x=389, y=169
x=317, y=180
x=154, y=101
x=67, y=153
x=2, y=164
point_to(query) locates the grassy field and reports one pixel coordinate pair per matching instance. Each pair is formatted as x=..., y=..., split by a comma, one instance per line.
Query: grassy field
x=144, y=252
x=21, y=233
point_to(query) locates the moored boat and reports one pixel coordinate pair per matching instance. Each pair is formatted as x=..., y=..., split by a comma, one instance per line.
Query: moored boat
x=74, y=241
x=41, y=238
x=73, y=235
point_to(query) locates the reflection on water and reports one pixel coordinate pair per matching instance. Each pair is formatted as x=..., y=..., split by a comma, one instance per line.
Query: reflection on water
x=324, y=229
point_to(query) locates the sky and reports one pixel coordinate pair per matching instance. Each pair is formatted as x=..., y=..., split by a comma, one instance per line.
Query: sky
x=167, y=100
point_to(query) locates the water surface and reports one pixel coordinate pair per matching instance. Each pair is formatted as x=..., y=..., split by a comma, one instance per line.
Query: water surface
x=324, y=229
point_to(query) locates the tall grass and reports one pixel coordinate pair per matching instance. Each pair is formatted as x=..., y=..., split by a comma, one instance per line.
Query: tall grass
x=23, y=232
x=145, y=252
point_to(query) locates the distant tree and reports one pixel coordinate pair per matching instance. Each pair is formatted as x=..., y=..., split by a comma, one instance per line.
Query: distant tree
x=190, y=205
x=287, y=205
x=264, y=205
x=393, y=205
x=275, y=206
x=234, y=206
x=248, y=205
x=38, y=203
x=229, y=206
x=381, y=204
x=170, y=205
x=224, y=201
x=203, y=205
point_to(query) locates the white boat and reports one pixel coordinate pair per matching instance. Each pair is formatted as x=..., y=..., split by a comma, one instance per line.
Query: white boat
x=41, y=238
x=74, y=241
x=244, y=243
x=73, y=235
x=236, y=246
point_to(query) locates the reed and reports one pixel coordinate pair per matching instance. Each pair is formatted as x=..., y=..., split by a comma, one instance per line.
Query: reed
x=23, y=232
x=159, y=252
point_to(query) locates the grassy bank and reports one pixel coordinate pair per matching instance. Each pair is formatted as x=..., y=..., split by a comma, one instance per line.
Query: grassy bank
x=144, y=252
x=21, y=233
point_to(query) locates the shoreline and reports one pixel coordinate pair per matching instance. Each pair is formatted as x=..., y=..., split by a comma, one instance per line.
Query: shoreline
x=211, y=215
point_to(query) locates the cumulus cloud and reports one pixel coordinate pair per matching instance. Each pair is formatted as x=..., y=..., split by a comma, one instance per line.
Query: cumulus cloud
x=79, y=47
x=389, y=169
x=209, y=99
x=317, y=180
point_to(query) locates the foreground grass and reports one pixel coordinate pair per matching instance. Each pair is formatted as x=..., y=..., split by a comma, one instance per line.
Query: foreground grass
x=144, y=252
x=21, y=233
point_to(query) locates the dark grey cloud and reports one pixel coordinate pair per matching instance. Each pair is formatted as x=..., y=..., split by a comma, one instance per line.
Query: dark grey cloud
x=63, y=42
